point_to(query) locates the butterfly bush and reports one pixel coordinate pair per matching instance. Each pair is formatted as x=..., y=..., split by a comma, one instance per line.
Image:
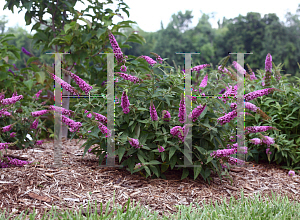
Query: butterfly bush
x=204, y=82
x=256, y=129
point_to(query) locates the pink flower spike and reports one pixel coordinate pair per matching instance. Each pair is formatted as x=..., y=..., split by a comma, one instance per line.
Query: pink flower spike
x=11, y=100
x=38, y=113
x=13, y=134
x=239, y=68
x=153, y=112
x=7, y=128
x=34, y=124
x=182, y=111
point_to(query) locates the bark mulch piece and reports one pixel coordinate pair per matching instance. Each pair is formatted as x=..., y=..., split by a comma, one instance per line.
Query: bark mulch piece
x=81, y=180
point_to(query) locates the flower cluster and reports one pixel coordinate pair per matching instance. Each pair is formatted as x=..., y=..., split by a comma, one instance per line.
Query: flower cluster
x=4, y=145
x=166, y=115
x=196, y=112
x=291, y=173
x=62, y=110
x=129, y=77
x=238, y=67
x=104, y=129
x=134, y=142
x=180, y=132
x=12, y=134
x=256, y=129
x=39, y=142
x=199, y=67
x=204, y=82
x=26, y=52
x=158, y=58
x=181, y=114
x=149, y=60
x=230, y=92
x=224, y=70
x=37, y=95
x=161, y=149
x=268, y=63
x=64, y=84
x=123, y=68
x=11, y=100
x=9, y=70
x=38, y=113
x=258, y=93
x=81, y=83
x=125, y=103
x=74, y=126
x=34, y=124
x=117, y=50
x=227, y=118
x=153, y=112
x=14, y=161
x=89, y=115
x=100, y=118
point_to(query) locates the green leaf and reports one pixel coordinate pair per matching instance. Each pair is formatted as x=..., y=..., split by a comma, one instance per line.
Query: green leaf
x=86, y=37
x=172, y=151
x=154, y=162
x=209, y=159
x=141, y=158
x=164, y=167
x=154, y=169
x=67, y=27
x=185, y=173
x=28, y=84
x=31, y=59
x=197, y=169
x=173, y=161
x=137, y=131
x=3, y=76
x=89, y=24
x=147, y=170
x=100, y=31
x=40, y=77
x=121, y=152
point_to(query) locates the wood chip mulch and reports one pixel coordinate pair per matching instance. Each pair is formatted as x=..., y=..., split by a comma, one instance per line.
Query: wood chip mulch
x=81, y=180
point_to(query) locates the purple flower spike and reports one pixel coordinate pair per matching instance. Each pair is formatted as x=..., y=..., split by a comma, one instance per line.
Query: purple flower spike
x=34, y=124
x=166, y=115
x=153, y=112
x=149, y=60
x=125, y=103
x=268, y=63
x=11, y=72
x=26, y=52
x=181, y=114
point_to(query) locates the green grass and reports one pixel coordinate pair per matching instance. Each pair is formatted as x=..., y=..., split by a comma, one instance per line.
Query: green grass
x=245, y=208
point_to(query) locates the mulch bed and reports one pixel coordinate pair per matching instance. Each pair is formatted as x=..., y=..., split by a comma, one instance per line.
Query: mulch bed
x=80, y=180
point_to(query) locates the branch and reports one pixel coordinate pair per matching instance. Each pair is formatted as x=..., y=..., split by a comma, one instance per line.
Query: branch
x=41, y=22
